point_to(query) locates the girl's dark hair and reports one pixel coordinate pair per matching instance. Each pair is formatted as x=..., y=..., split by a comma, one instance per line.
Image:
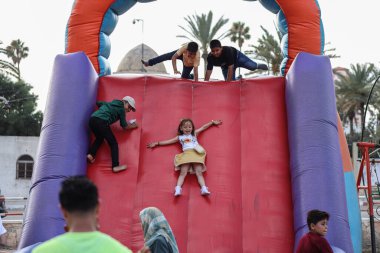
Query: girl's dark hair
x=183, y=121
x=314, y=216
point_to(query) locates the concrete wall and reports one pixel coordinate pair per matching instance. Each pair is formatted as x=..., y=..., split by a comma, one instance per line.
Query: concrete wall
x=12, y=237
x=11, y=148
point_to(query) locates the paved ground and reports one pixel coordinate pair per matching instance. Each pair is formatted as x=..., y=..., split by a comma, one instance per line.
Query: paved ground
x=4, y=249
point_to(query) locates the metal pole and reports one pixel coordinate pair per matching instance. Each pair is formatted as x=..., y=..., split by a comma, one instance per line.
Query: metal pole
x=142, y=40
x=366, y=107
x=13, y=198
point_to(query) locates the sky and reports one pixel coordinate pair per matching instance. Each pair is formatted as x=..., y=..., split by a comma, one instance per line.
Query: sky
x=350, y=26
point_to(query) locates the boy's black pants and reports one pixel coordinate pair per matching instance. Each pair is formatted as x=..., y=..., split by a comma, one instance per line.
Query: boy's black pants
x=102, y=131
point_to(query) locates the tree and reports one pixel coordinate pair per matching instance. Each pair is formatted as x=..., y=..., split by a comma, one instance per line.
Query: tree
x=6, y=67
x=352, y=89
x=17, y=51
x=330, y=52
x=268, y=50
x=239, y=32
x=17, y=111
x=200, y=29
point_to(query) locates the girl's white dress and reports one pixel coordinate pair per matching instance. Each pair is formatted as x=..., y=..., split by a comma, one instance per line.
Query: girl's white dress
x=189, y=155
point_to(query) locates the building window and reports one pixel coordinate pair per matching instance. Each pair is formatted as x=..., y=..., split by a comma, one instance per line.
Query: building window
x=24, y=167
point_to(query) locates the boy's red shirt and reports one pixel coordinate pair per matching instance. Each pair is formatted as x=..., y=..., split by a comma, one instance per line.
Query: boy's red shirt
x=313, y=243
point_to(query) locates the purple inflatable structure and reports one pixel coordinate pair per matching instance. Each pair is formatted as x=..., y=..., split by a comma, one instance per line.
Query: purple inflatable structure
x=63, y=144
x=315, y=161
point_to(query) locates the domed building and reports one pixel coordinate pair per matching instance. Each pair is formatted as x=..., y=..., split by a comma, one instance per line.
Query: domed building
x=131, y=63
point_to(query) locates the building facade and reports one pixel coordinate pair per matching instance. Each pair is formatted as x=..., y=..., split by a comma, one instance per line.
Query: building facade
x=17, y=158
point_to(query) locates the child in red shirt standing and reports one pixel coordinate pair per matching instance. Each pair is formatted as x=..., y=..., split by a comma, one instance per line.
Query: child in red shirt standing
x=314, y=241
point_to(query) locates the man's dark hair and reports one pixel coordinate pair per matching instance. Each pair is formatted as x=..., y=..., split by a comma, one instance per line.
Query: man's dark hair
x=192, y=47
x=78, y=194
x=314, y=216
x=215, y=43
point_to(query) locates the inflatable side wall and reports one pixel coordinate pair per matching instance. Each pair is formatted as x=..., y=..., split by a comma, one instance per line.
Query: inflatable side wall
x=63, y=144
x=353, y=207
x=315, y=155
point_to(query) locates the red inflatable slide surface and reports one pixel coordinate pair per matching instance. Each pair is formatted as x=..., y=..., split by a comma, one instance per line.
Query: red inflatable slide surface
x=250, y=206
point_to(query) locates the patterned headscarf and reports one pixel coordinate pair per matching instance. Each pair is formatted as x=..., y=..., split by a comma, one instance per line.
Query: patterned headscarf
x=155, y=224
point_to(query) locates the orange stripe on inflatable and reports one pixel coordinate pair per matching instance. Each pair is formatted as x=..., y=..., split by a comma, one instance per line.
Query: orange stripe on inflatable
x=303, y=18
x=84, y=27
x=344, y=152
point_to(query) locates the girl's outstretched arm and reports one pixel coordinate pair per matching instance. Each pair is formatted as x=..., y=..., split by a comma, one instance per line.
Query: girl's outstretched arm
x=162, y=143
x=207, y=125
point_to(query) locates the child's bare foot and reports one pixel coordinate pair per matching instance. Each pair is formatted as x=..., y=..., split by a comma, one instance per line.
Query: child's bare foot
x=119, y=168
x=90, y=158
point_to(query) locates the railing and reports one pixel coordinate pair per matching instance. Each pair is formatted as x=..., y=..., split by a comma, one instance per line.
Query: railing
x=12, y=209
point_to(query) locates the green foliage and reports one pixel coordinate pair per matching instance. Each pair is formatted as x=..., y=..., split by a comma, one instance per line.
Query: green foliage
x=239, y=33
x=16, y=51
x=201, y=29
x=8, y=68
x=268, y=50
x=330, y=52
x=18, y=116
x=352, y=90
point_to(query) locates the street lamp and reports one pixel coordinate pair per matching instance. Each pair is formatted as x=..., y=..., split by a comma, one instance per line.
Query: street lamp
x=142, y=39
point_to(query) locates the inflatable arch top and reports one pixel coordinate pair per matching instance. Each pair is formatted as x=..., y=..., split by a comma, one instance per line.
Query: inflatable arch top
x=91, y=23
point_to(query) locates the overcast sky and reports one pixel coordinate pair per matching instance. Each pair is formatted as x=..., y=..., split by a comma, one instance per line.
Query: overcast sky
x=350, y=26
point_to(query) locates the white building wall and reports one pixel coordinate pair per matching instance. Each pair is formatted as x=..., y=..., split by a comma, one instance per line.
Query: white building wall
x=11, y=148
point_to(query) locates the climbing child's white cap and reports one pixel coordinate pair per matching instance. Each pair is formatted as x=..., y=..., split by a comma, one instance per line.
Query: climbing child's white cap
x=130, y=101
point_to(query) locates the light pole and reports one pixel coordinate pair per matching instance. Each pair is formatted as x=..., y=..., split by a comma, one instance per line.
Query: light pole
x=142, y=39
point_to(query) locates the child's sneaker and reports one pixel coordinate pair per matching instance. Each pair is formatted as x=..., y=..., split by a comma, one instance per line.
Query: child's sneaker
x=90, y=158
x=204, y=190
x=178, y=191
x=119, y=168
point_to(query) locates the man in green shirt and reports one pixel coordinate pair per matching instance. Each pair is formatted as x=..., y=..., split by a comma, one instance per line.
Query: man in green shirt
x=80, y=205
x=100, y=121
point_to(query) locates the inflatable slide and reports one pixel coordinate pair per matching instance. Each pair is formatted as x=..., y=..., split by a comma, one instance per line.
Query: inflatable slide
x=279, y=153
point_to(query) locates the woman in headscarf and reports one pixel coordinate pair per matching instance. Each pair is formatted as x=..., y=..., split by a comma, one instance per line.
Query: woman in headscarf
x=158, y=235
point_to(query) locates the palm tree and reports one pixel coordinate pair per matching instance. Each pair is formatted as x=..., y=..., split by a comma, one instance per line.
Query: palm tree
x=268, y=50
x=17, y=51
x=7, y=67
x=239, y=32
x=352, y=89
x=200, y=29
x=330, y=52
